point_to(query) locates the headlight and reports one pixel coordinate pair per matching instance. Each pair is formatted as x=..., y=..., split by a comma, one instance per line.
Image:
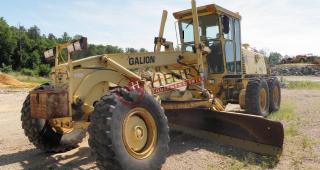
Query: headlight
x=49, y=54
x=78, y=45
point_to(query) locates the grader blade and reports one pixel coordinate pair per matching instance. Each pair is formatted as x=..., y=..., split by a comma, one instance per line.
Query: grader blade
x=249, y=132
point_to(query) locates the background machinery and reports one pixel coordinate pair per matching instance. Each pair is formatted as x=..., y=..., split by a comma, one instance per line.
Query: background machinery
x=128, y=101
x=309, y=58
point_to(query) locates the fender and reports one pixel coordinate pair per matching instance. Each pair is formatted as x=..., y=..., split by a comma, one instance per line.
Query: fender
x=87, y=90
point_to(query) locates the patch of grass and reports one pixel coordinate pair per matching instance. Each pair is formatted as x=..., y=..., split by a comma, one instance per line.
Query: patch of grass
x=235, y=165
x=267, y=162
x=296, y=162
x=306, y=85
x=253, y=161
x=29, y=79
x=307, y=142
x=291, y=131
x=286, y=112
x=291, y=65
x=210, y=167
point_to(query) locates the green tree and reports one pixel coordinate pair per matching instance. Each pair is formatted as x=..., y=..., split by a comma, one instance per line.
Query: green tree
x=34, y=32
x=43, y=70
x=131, y=50
x=7, y=43
x=274, y=58
x=113, y=49
x=52, y=38
x=65, y=38
x=143, y=50
x=77, y=36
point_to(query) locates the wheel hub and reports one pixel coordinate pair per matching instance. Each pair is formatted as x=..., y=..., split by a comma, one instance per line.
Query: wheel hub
x=263, y=99
x=276, y=95
x=139, y=133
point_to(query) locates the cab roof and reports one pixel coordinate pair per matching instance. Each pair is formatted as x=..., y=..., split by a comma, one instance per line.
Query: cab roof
x=211, y=8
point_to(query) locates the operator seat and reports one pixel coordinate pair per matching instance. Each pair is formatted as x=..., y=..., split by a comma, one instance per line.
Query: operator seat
x=215, y=58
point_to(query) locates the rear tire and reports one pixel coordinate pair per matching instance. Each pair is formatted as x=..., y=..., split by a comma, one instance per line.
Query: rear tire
x=110, y=141
x=42, y=135
x=257, y=97
x=274, y=94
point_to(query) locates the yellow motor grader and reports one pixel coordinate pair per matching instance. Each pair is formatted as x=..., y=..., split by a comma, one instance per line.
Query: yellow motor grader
x=128, y=101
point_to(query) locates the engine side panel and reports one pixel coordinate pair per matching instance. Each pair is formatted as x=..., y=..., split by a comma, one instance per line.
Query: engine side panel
x=254, y=63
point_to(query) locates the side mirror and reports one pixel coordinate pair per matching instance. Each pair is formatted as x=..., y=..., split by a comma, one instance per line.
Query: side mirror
x=225, y=23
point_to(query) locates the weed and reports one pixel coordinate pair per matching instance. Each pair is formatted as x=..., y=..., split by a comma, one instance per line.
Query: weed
x=267, y=162
x=296, y=162
x=5, y=68
x=210, y=167
x=29, y=79
x=235, y=165
x=306, y=85
x=291, y=131
x=307, y=142
x=286, y=112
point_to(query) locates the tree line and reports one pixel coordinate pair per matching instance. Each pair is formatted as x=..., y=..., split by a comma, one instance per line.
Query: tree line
x=21, y=49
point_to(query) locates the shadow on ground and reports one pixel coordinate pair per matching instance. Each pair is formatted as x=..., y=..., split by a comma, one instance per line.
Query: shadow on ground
x=36, y=159
x=181, y=142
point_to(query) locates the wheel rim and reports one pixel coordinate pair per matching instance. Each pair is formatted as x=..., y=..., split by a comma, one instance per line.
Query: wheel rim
x=276, y=96
x=263, y=99
x=139, y=133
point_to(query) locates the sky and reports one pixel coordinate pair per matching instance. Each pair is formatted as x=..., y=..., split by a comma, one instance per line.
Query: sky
x=290, y=27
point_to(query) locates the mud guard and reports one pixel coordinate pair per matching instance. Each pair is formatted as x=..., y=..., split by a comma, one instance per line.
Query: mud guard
x=249, y=132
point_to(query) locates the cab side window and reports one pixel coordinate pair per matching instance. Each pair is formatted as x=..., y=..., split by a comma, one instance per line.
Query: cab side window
x=230, y=47
x=237, y=39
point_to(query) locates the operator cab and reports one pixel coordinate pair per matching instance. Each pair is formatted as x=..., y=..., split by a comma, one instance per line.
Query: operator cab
x=219, y=30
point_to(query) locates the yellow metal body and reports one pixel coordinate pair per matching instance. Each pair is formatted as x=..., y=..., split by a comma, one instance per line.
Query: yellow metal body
x=171, y=76
x=161, y=31
x=254, y=62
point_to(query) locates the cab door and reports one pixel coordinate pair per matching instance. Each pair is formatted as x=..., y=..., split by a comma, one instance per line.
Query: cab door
x=232, y=46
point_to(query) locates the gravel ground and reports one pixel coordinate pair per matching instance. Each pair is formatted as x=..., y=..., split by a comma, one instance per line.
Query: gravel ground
x=186, y=152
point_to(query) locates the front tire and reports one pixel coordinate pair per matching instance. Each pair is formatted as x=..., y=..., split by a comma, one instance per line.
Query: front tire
x=129, y=134
x=257, y=97
x=42, y=135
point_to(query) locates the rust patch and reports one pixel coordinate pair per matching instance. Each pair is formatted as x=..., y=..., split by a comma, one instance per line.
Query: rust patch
x=48, y=104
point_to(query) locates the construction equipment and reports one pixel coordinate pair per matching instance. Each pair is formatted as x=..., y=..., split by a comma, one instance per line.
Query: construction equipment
x=128, y=100
x=309, y=58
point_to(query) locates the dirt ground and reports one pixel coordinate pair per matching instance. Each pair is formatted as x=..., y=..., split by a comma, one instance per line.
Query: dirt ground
x=301, y=148
x=8, y=81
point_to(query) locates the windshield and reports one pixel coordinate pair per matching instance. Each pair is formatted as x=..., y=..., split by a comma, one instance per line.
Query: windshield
x=208, y=30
